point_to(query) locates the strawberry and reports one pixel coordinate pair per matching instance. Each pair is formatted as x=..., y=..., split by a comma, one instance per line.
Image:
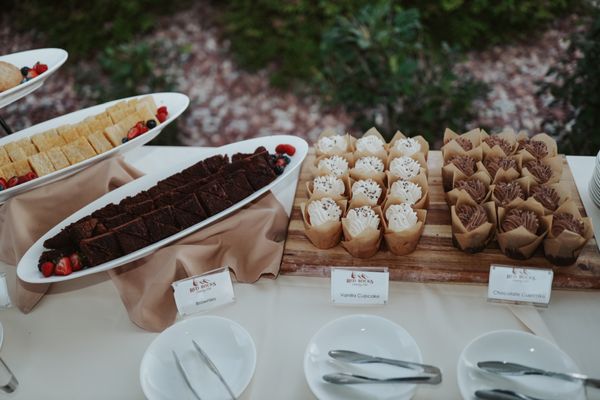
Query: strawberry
x=40, y=68
x=31, y=175
x=3, y=183
x=162, y=116
x=162, y=109
x=63, y=266
x=285, y=149
x=47, y=268
x=75, y=262
x=14, y=181
x=133, y=133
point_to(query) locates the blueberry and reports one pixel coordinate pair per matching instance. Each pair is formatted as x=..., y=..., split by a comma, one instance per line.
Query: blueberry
x=286, y=159
x=273, y=157
x=150, y=124
x=279, y=170
x=24, y=71
x=124, y=140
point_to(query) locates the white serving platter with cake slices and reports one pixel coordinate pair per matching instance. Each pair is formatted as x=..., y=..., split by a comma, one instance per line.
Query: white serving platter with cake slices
x=176, y=104
x=27, y=269
x=53, y=58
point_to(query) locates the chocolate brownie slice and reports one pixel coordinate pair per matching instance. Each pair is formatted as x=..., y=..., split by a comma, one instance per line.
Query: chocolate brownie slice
x=197, y=170
x=83, y=229
x=259, y=173
x=160, y=223
x=213, y=198
x=109, y=210
x=138, y=198
x=259, y=152
x=61, y=239
x=100, y=249
x=117, y=220
x=214, y=163
x=165, y=199
x=237, y=186
x=140, y=208
x=132, y=236
x=188, y=211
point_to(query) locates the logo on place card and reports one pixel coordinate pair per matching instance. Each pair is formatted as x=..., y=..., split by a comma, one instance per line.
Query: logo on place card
x=359, y=286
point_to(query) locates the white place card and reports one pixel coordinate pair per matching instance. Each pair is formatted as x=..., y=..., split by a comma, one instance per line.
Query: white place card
x=520, y=285
x=4, y=296
x=359, y=286
x=203, y=292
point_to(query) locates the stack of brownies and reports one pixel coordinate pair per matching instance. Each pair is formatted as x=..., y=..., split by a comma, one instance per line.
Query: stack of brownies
x=172, y=205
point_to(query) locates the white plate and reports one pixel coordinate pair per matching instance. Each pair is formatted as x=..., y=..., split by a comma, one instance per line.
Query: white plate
x=521, y=348
x=27, y=268
x=228, y=345
x=367, y=334
x=1, y=335
x=53, y=58
x=176, y=104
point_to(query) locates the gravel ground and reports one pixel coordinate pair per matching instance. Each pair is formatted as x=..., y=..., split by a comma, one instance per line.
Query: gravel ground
x=230, y=104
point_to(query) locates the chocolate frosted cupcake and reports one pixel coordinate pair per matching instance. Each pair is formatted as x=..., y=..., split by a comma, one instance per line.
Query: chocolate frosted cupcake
x=536, y=148
x=475, y=188
x=540, y=171
x=568, y=234
x=459, y=168
x=540, y=146
x=464, y=143
x=521, y=229
x=472, y=224
x=517, y=218
x=548, y=196
x=492, y=141
x=507, y=193
x=465, y=164
x=501, y=168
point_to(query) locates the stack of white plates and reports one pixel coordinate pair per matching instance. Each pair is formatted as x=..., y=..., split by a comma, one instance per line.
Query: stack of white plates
x=595, y=183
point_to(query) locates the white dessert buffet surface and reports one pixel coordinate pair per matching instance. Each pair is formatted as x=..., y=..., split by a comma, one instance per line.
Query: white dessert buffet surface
x=79, y=343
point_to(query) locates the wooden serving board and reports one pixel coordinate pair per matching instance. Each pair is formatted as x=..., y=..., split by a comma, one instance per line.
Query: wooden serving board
x=435, y=259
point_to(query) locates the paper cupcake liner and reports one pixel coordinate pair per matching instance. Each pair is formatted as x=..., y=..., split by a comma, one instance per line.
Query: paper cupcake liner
x=423, y=202
x=316, y=171
x=507, y=135
x=398, y=136
x=519, y=243
x=541, y=137
x=476, y=240
x=452, y=195
x=331, y=132
x=323, y=236
x=312, y=195
x=357, y=202
x=405, y=242
x=565, y=248
x=474, y=135
x=381, y=154
x=523, y=182
x=561, y=188
x=555, y=164
x=379, y=177
x=367, y=243
x=451, y=174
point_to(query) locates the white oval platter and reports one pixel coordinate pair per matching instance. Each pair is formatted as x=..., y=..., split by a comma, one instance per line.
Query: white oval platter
x=53, y=58
x=176, y=104
x=27, y=269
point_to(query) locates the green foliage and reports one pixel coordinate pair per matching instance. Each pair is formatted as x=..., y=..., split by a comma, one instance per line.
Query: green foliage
x=379, y=65
x=287, y=34
x=480, y=23
x=85, y=27
x=578, y=90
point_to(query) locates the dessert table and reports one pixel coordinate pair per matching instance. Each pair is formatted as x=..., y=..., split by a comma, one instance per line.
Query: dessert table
x=79, y=342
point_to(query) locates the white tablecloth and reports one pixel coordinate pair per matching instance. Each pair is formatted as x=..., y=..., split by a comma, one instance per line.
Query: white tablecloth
x=78, y=343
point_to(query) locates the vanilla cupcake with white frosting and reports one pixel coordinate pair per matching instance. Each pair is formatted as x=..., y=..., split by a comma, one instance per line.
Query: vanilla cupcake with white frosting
x=322, y=221
x=330, y=143
x=362, y=233
x=333, y=165
x=403, y=227
x=369, y=167
x=366, y=192
x=404, y=168
x=323, y=211
x=400, y=217
x=326, y=186
x=401, y=145
x=406, y=192
x=371, y=144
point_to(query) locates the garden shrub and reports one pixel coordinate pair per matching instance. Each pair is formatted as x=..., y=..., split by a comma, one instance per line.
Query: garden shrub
x=86, y=27
x=577, y=90
x=379, y=65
